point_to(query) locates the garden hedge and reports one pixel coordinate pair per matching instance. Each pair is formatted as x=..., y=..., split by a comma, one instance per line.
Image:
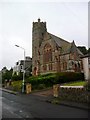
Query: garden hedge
x=56, y=78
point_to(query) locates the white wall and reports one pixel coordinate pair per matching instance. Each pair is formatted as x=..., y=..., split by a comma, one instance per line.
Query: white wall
x=86, y=68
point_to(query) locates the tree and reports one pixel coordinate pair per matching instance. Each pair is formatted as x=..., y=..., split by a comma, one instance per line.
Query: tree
x=83, y=49
x=89, y=50
x=6, y=74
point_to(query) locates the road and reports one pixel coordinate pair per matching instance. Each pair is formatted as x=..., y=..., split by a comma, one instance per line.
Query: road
x=33, y=106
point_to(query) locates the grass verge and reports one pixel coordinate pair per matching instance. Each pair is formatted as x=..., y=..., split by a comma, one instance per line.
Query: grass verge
x=78, y=83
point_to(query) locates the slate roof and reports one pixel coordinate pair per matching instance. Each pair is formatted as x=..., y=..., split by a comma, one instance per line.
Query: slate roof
x=66, y=46
x=74, y=48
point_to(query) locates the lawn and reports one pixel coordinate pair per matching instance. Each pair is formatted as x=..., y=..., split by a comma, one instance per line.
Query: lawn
x=79, y=83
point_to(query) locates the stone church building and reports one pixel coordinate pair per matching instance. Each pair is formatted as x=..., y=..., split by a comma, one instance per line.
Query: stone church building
x=52, y=54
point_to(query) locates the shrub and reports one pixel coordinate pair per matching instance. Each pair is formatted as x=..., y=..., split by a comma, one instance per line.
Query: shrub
x=68, y=77
x=57, y=78
x=17, y=85
x=17, y=77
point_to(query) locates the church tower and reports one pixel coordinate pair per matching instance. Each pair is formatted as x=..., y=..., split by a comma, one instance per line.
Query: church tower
x=38, y=31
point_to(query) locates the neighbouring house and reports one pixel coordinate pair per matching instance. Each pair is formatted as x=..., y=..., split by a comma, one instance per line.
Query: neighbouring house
x=4, y=70
x=52, y=54
x=20, y=64
x=86, y=66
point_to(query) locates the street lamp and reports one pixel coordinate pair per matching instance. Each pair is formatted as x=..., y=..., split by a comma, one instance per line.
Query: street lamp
x=23, y=69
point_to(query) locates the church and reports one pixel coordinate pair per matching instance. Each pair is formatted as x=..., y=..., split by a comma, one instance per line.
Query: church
x=51, y=54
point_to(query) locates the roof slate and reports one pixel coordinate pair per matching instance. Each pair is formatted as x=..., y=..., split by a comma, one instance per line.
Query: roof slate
x=66, y=46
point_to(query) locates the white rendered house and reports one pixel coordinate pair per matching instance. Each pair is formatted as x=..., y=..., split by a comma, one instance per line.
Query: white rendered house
x=86, y=66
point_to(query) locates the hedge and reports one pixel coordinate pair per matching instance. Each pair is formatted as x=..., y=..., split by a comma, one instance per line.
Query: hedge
x=56, y=78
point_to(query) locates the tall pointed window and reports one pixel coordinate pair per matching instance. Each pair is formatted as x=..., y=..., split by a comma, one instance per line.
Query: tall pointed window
x=47, y=56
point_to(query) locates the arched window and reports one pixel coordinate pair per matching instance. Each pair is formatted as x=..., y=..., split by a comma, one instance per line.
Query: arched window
x=47, y=56
x=35, y=71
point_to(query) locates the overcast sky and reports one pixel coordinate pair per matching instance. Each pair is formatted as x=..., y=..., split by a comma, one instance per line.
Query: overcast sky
x=68, y=20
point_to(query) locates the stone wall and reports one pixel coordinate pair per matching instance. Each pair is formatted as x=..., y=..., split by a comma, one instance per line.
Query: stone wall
x=74, y=94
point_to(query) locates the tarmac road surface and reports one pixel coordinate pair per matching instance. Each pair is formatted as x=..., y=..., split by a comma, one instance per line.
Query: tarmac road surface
x=33, y=106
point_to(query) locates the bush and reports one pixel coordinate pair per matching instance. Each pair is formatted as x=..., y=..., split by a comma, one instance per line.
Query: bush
x=68, y=77
x=48, y=80
x=17, y=85
x=17, y=77
x=39, y=87
x=7, y=75
x=57, y=78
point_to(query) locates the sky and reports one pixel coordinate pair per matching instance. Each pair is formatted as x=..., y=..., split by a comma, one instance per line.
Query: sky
x=65, y=19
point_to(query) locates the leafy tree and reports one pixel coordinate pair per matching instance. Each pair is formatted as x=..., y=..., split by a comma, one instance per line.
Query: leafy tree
x=89, y=50
x=4, y=68
x=6, y=74
x=17, y=77
x=83, y=49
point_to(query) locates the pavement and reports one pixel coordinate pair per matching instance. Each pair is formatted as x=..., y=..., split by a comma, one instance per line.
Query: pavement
x=9, y=91
x=47, y=96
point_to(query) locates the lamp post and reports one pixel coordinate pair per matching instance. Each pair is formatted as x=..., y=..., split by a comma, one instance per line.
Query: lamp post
x=23, y=82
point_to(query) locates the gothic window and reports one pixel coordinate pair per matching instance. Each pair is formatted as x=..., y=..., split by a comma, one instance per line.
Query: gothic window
x=56, y=58
x=78, y=64
x=65, y=65
x=45, y=67
x=38, y=52
x=42, y=34
x=75, y=56
x=35, y=71
x=47, y=56
x=72, y=63
x=50, y=66
x=75, y=67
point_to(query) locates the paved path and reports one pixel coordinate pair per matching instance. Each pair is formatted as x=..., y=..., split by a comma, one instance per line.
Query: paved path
x=44, y=93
